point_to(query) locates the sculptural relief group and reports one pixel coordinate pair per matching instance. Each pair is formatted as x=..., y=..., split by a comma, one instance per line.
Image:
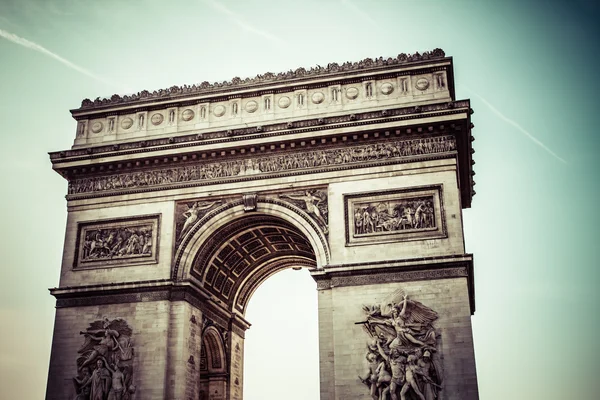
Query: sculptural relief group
x=118, y=242
x=397, y=215
x=402, y=360
x=105, y=362
x=262, y=165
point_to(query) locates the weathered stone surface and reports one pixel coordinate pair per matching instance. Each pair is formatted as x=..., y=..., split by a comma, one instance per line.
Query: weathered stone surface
x=181, y=203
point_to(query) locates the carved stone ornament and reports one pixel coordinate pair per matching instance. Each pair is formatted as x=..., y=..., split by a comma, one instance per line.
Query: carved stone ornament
x=97, y=127
x=284, y=102
x=422, y=84
x=334, y=158
x=401, y=357
x=206, y=87
x=117, y=242
x=352, y=93
x=395, y=215
x=187, y=213
x=219, y=110
x=105, y=362
x=126, y=123
x=157, y=119
x=314, y=202
x=250, y=201
x=251, y=106
x=387, y=88
x=318, y=97
x=187, y=115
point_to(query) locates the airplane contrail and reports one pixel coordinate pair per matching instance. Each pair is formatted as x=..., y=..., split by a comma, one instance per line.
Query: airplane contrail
x=236, y=19
x=516, y=125
x=40, y=49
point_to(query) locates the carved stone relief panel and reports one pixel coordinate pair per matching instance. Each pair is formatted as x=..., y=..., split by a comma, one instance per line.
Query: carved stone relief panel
x=314, y=202
x=117, y=242
x=105, y=362
x=401, y=356
x=395, y=215
x=187, y=213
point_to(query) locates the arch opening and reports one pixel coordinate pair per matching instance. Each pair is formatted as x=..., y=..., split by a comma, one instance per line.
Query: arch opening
x=243, y=253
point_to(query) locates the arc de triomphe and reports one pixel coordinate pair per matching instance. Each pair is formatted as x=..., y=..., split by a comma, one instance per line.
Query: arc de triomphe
x=181, y=202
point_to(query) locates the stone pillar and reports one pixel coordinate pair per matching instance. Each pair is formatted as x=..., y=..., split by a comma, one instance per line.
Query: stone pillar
x=183, y=344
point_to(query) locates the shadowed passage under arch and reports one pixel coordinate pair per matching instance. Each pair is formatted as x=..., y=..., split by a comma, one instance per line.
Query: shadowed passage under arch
x=242, y=254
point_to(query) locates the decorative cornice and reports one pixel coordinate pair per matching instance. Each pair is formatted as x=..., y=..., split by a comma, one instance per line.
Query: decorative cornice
x=180, y=92
x=263, y=131
x=425, y=268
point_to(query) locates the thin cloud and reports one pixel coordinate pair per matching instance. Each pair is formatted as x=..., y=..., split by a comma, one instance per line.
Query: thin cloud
x=519, y=127
x=359, y=12
x=40, y=49
x=239, y=21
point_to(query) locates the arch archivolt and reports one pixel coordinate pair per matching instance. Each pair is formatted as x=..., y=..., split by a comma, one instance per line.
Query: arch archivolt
x=213, y=358
x=230, y=251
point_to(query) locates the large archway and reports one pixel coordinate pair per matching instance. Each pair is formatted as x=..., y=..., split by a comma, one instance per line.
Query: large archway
x=230, y=251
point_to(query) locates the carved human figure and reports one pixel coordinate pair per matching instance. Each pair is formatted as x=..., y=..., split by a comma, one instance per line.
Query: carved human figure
x=191, y=214
x=117, y=389
x=311, y=203
x=100, y=382
x=383, y=380
x=82, y=384
x=431, y=376
x=106, y=342
x=358, y=222
x=397, y=362
x=371, y=374
x=412, y=370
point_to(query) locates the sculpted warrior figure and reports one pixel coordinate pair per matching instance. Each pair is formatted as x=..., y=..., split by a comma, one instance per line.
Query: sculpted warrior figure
x=403, y=339
x=371, y=375
x=412, y=370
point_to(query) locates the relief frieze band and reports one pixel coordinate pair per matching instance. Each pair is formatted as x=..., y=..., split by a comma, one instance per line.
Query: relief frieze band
x=266, y=166
x=109, y=243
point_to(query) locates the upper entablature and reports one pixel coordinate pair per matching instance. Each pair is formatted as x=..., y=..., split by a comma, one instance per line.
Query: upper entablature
x=336, y=89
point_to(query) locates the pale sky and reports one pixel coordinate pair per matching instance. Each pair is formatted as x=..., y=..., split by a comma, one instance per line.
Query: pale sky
x=528, y=67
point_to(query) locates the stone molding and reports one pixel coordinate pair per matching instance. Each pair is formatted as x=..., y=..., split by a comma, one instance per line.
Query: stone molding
x=176, y=92
x=265, y=131
x=426, y=268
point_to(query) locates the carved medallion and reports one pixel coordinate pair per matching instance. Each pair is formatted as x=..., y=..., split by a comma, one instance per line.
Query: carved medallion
x=97, y=127
x=422, y=84
x=387, y=88
x=352, y=93
x=251, y=106
x=318, y=97
x=284, y=102
x=126, y=123
x=402, y=348
x=105, y=361
x=219, y=110
x=157, y=119
x=187, y=114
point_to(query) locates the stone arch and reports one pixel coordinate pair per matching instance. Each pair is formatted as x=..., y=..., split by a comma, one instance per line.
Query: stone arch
x=213, y=363
x=231, y=251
